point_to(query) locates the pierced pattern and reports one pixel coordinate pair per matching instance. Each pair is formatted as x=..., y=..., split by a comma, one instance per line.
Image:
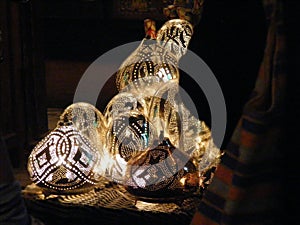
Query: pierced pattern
x=123, y=103
x=64, y=161
x=169, y=114
x=128, y=134
x=147, y=139
x=147, y=65
x=87, y=119
x=163, y=171
x=156, y=60
x=175, y=36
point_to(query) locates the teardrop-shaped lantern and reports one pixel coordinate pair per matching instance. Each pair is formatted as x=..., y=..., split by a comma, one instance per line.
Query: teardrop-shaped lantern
x=155, y=61
x=68, y=159
x=128, y=134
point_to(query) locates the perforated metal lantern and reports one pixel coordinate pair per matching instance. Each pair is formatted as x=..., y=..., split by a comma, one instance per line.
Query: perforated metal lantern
x=161, y=173
x=155, y=61
x=64, y=161
x=68, y=159
x=128, y=134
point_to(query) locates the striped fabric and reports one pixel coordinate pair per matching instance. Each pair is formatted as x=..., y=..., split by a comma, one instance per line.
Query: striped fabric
x=248, y=184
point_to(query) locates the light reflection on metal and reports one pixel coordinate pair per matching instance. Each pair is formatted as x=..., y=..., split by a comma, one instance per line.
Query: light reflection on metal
x=146, y=139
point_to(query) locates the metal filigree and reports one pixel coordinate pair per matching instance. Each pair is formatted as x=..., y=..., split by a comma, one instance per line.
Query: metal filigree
x=87, y=119
x=128, y=134
x=175, y=36
x=161, y=172
x=156, y=61
x=65, y=161
x=147, y=139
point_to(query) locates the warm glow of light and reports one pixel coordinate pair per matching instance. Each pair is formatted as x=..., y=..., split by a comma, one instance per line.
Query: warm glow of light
x=182, y=181
x=86, y=144
x=142, y=205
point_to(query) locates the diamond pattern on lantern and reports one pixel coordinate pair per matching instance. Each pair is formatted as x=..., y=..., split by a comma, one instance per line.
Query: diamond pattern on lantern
x=64, y=160
x=147, y=139
x=161, y=172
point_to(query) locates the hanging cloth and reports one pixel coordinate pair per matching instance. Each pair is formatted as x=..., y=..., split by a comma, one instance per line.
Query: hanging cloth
x=247, y=187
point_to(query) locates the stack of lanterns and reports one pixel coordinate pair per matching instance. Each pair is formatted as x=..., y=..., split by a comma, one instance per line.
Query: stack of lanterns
x=146, y=139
